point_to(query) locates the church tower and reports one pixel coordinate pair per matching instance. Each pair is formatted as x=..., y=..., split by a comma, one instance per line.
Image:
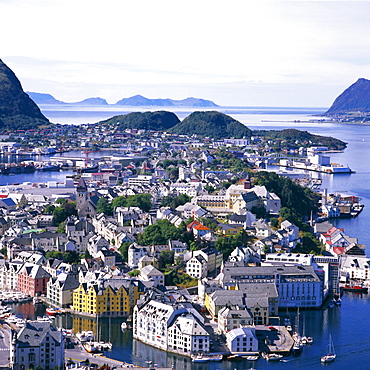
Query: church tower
x=82, y=194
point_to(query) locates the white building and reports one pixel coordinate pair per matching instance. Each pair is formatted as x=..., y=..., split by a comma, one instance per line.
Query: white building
x=135, y=253
x=37, y=344
x=196, y=267
x=150, y=273
x=188, y=336
x=170, y=326
x=242, y=340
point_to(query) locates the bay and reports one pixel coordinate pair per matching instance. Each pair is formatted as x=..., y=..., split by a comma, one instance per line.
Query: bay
x=348, y=324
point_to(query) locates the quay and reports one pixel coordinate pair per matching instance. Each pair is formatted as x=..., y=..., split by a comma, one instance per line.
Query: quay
x=274, y=339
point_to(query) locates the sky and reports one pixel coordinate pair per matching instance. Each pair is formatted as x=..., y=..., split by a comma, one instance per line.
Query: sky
x=235, y=53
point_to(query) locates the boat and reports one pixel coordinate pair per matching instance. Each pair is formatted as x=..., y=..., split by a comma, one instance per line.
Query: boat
x=235, y=357
x=53, y=311
x=297, y=347
x=309, y=340
x=272, y=356
x=251, y=358
x=206, y=358
x=90, y=347
x=331, y=353
x=123, y=326
x=37, y=300
x=44, y=319
x=48, y=167
x=355, y=288
x=85, y=336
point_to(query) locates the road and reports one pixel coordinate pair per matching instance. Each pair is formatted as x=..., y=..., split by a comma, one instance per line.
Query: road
x=4, y=344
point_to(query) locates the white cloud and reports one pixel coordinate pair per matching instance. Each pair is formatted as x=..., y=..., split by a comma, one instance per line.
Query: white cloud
x=71, y=47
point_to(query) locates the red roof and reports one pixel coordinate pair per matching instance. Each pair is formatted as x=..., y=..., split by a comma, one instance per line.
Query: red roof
x=201, y=227
x=339, y=250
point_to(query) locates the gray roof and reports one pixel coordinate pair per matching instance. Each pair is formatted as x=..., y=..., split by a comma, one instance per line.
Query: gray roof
x=267, y=274
x=34, y=332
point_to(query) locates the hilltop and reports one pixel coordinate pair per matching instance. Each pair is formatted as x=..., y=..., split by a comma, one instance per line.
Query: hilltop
x=156, y=121
x=355, y=98
x=17, y=109
x=213, y=124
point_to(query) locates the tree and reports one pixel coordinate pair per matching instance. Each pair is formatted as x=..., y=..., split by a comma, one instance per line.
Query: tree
x=54, y=254
x=103, y=206
x=60, y=213
x=71, y=257
x=49, y=209
x=134, y=273
x=61, y=227
x=159, y=233
x=123, y=249
x=166, y=258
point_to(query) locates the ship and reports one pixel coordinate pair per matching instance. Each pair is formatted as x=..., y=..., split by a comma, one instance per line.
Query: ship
x=355, y=288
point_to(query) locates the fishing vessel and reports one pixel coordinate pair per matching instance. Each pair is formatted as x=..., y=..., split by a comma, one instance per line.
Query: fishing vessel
x=331, y=353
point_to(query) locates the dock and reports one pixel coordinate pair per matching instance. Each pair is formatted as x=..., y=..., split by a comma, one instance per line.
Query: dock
x=274, y=339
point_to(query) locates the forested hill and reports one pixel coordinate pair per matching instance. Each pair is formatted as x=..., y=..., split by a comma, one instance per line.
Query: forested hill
x=212, y=124
x=156, y=121
x=17, y=109
x=300, y=138
x=355, y=98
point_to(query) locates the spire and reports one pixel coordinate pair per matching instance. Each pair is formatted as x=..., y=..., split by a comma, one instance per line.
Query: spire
x=81, y=187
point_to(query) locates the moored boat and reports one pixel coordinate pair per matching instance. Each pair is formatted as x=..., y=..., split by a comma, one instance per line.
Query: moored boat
x=53, y=311
x=272, y=356
x=355, y=288
x=206, y=358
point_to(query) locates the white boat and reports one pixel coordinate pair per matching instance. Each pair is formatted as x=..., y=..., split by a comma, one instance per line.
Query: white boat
x=272, y=357
x=331, y=353
x=206, y=358
x=123, y=326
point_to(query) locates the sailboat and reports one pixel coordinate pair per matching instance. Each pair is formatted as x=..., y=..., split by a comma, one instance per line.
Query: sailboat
x=331, y=353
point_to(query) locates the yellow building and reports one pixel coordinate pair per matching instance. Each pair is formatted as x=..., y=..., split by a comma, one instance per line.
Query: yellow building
x=113, y=297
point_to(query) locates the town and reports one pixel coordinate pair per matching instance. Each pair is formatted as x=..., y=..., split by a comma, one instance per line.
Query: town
x=195, y=247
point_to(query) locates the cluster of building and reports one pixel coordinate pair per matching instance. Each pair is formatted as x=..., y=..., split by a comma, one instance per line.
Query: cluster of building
x=239, y=293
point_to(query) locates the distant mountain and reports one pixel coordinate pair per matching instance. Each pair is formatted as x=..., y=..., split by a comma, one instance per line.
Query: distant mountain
x=139, y=100
x=40, y=98
x=213, y=124
x=17, y=109
x=353, y=99
x=156, y=121
x=91, y=101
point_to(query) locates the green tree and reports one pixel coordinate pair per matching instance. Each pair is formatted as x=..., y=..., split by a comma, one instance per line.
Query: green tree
x=123, y=249
x=134, y=273
x=103, y=206
x=49, y=209
x=159, y=233
x=71, y=257
x=61, y=227
x=54, y=254
x=60, y=213
x=166, y=258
